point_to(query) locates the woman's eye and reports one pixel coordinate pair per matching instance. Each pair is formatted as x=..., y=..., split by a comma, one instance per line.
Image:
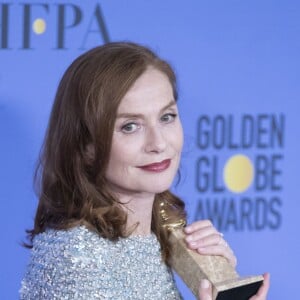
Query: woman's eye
x=167, y=118
x=130, y=127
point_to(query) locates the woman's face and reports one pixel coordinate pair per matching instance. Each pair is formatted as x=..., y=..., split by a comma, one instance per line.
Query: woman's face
x=147, y=138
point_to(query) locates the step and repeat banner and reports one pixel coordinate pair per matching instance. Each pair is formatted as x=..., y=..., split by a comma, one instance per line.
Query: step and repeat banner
x=238, y=67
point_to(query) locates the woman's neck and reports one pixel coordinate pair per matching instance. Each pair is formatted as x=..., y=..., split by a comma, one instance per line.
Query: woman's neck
x=139, y=213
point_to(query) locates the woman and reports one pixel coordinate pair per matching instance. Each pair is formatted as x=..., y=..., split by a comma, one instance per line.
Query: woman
x=110, y=154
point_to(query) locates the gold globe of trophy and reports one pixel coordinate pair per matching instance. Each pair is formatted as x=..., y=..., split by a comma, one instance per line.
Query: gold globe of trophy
x=192, y=267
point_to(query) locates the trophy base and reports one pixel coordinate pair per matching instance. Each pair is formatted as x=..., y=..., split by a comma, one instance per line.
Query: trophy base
x=239, y=289
x=192, y=267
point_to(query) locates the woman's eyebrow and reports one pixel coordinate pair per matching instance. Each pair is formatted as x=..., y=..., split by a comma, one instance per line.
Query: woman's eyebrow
x=171, y=103
x=137, y=115
x=130, y=115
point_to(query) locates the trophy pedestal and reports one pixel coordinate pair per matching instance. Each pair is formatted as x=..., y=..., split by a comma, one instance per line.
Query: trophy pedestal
x=192, y=267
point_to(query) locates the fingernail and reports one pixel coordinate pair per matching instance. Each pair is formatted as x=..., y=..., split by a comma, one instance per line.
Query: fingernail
x=205, y=284
x=202, y=250
x=189, y=238
x=187, y=229
x=192, y=244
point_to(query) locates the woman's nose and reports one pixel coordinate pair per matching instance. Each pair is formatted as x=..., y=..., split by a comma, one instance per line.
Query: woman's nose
x=155, y=140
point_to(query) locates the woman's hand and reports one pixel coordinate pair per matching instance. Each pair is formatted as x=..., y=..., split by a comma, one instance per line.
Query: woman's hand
x=203, y=237
x=205, y=290
x=263, y=290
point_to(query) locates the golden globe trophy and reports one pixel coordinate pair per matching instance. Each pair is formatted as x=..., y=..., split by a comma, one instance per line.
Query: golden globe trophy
x=192, y=267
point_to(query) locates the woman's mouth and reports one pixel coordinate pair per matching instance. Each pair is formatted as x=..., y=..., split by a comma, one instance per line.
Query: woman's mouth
x=157, y=167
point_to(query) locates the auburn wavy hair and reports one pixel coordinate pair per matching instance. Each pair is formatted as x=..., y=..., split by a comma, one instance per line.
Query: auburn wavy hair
x=70, y=174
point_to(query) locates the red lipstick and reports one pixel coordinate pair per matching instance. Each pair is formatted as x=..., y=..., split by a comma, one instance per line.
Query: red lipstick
x=157, y=167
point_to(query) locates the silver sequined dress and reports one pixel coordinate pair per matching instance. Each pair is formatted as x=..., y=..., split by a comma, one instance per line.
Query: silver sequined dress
x=78, y=264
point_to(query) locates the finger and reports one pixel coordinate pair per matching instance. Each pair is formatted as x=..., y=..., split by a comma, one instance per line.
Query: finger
x=205, y=290
x=204, y=240
x=198, y=225
x=199, y=230
x=263, y=290
x=221, y=250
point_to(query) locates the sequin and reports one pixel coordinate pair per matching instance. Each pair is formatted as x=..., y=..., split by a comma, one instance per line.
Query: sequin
x=78, y=264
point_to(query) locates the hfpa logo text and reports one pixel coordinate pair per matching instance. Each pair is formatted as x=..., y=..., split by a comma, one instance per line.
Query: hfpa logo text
x=60, y=24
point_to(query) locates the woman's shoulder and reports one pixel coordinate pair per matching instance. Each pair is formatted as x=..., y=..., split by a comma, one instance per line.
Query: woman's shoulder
x=68, y=244
x=65, y=262
x=78, y=238
x=62, y=236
